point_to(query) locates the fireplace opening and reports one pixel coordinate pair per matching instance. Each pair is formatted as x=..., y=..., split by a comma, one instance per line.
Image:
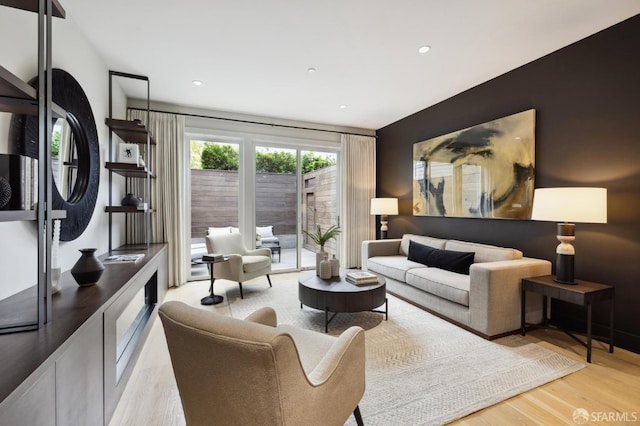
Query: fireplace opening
x=131, y=323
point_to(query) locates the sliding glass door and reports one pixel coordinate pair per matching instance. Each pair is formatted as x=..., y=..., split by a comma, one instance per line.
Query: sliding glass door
x=318, y=201
x=295, y=190
x=215, y=187
x=269, y=189
x=276, y=204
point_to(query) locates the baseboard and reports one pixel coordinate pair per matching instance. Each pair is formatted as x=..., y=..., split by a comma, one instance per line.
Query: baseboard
x=600, y=331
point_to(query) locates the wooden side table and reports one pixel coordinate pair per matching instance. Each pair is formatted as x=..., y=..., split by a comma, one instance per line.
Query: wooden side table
x=583, y=294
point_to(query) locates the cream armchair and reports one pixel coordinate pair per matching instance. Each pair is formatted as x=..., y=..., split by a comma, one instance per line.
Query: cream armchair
x=243, y=264
x=252, y=372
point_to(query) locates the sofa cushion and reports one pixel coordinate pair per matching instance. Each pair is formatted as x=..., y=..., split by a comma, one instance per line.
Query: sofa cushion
x=445, y=284
x=484, y=252
x=265, y=231
x=394, y=267
x=218, y=230
x=427, y=241
x=454, y=261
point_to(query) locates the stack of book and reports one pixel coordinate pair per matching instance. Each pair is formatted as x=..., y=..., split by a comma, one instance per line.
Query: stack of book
x=361, y=277
x=123, y=258
x=212, y=257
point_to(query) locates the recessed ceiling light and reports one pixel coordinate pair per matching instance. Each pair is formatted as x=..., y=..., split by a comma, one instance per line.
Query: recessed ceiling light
x=424, y=49
x=197, y=83
x=311, y=70
x=343, y=106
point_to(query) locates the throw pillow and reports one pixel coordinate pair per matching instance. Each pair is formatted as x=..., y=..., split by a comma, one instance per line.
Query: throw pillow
x=454, y=261
x=265, y=231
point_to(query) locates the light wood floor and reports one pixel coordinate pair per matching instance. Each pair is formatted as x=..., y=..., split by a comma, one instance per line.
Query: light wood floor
x=608, y=388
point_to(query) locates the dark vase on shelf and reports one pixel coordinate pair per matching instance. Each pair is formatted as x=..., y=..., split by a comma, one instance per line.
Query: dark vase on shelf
x=88, y=268
x=131, y=200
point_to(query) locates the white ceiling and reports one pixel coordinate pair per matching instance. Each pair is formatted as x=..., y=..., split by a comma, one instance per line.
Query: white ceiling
x=253, y=55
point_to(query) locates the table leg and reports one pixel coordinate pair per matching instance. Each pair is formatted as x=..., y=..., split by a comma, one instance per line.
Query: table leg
x=326, y=320
x=588, y=331
x=211, y=299
x=386, y=309
x=611, y=332
x=522, y=315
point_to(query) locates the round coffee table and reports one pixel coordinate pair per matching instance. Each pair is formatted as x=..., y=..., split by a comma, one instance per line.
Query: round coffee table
x=339, y=295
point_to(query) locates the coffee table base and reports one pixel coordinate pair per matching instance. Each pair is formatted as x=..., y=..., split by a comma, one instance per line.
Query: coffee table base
x=327, y=320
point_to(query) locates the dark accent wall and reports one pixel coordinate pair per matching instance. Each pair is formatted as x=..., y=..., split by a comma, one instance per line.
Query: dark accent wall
x=587, y=102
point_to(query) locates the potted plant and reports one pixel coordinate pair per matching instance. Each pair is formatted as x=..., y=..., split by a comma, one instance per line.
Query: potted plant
x=320, y=238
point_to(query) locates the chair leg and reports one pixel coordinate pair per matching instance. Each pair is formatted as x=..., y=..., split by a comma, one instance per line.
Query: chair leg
x=269, y=279
x=241, y=295
x=356, y=414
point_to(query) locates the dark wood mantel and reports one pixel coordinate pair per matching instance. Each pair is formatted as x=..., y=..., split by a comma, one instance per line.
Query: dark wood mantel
x=22, y=353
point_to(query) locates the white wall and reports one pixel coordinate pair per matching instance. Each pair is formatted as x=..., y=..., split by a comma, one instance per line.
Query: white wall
x=72, y=53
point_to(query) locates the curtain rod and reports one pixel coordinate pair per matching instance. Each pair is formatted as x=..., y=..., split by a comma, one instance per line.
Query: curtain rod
x=237, y=120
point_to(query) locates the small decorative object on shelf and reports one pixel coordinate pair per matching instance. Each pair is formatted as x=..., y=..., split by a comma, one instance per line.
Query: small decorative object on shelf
x=88, y=269
x=325, y=269
x=335, y=266
x=128, y=153
x=5, y=192
x=131, y=200
x=55, y=265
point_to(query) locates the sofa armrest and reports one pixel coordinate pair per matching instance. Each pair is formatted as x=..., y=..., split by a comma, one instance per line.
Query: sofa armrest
x=372, y=248
x=495, y=291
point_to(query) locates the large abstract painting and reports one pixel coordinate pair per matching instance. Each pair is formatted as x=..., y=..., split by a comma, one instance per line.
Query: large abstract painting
x=482, y=171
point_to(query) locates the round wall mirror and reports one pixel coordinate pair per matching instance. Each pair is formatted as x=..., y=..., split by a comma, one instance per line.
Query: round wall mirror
x=75, y=152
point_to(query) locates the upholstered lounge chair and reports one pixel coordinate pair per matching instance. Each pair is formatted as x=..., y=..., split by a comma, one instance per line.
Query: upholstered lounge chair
x=252, y=372
x=243, y=264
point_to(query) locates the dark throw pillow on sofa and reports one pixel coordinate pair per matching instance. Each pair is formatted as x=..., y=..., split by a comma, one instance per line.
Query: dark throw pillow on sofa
x=454, y=261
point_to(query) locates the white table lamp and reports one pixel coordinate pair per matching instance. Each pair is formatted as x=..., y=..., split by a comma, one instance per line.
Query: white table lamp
x=586, y=205
x=384, y=207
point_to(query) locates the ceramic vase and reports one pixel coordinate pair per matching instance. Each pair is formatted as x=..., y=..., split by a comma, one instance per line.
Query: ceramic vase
x=335, y=266
x=320, y=256
x=88, y=268
x=55, y=280
x=325, y=269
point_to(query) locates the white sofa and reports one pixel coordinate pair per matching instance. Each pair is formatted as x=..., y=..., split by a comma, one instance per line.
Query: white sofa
x=487, y=301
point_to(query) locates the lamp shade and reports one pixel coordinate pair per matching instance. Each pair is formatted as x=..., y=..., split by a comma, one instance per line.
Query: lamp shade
x=582, y=205
x=384, y=206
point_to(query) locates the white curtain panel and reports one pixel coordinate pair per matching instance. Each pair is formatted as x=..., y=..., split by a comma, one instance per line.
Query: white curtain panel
x=168, y=222
x=358, y=188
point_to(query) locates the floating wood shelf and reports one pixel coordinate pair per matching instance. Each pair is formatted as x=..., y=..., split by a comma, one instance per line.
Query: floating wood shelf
x=129, y=170
x=18, y=215
x=18, y=97
x=32, y=6
x=125, y=209
x=129, y=131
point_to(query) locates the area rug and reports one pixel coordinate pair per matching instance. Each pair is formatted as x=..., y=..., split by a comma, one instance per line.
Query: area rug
x=421, y=370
